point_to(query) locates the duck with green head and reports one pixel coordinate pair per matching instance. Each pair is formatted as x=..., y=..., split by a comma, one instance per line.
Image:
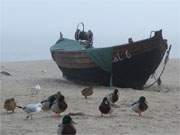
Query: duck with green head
x=66, y=127
x=140, y=105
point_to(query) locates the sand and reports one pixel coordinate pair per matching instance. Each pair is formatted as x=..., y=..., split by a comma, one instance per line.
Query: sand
x=162, y=117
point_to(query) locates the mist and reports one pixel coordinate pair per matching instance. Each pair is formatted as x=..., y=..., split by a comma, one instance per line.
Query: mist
x=29, y=28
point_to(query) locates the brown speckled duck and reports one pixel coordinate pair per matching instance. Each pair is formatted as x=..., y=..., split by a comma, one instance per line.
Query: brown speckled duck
x=10, y=104
x=105, y=107
x=66, y=127
x=87, y=92
x=140, y=105
x=59, y=105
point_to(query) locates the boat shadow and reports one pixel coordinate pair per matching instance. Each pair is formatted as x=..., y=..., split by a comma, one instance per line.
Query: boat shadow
x=62, y=81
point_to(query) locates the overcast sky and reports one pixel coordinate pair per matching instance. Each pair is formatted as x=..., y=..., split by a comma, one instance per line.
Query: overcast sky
x=30, y=27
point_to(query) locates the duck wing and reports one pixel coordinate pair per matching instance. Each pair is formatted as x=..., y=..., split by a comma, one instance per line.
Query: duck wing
x=143, y=107
x=135, y=107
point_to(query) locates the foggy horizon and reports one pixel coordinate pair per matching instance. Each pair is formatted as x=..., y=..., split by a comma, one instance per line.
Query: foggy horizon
x=29, y=28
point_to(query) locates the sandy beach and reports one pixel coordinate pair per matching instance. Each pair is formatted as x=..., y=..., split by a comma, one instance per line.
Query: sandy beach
x=162, y=116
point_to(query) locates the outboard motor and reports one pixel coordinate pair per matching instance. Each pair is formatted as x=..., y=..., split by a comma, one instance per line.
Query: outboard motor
x=82, y=35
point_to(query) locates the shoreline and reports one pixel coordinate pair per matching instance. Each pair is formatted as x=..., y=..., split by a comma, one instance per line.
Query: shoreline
x=20, y=61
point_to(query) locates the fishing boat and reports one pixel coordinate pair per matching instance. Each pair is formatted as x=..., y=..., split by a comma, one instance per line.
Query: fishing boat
x=127, y=66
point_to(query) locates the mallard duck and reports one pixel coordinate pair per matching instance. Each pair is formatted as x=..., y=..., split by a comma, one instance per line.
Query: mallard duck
x=87, y=92
x=105, y=107
x=31, y=109
x=10, y=104
x=113, y=97
x=59, y=105
x=66, y=127
x=140, y=105
x=47, y=103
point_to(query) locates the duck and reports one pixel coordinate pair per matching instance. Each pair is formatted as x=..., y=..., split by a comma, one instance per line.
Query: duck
x=59, y=105
x=31, y=109
x=105, y=106
x=47, y=103
x=10, y=105
x=66, y=127
x=87, y=92
x=113, y=97
x=140, y=105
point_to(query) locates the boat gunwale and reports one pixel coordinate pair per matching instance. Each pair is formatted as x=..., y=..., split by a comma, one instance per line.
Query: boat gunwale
x=80, y=58
x=113, y=46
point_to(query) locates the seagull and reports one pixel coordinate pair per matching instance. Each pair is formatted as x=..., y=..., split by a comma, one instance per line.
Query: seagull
x=66, y=127
x=30, y=109
x=35, y=90
x=140, y=105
